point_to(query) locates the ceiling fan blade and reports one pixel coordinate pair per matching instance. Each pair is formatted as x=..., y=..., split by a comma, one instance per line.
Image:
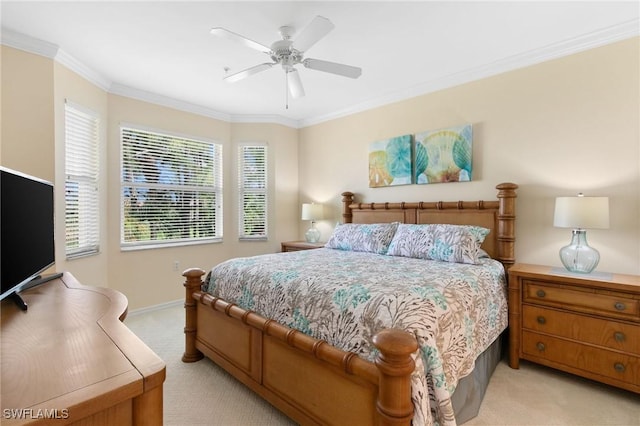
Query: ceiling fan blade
x=294, y=83
x=232, y=78
x=312, y=33
x=230, y=35
x=332, y=67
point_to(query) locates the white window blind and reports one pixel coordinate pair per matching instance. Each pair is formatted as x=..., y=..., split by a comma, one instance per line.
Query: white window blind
x=82, y=202
x=171, y=189
x=252, y=191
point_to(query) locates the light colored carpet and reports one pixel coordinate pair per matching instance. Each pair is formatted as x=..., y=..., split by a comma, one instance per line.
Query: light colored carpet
x=201, y=393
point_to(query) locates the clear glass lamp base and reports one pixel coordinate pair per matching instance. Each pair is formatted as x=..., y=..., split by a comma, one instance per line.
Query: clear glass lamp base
x=579, y=256
x=312, y=235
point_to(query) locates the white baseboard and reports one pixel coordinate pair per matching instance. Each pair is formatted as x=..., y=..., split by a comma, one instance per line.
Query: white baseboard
x=148, y=309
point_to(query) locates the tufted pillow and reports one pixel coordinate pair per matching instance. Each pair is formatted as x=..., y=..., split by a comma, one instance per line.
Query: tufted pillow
x=447, y=243
x=371, y=238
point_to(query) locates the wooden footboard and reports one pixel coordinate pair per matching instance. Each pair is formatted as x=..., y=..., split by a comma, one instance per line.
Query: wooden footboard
x=309, y=380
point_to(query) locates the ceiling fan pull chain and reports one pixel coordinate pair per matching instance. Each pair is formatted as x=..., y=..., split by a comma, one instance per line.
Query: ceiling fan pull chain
x=286, y=88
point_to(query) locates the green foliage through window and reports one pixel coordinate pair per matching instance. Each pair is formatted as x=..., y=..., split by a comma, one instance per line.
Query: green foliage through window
x=252, y=191
x=171, y=188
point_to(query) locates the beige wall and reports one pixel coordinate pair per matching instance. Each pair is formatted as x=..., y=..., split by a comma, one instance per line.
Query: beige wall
x=556, y=128
x=68, y=86
x=27, y=133
x=282, y=160
x=34, y=90
x=147, y=277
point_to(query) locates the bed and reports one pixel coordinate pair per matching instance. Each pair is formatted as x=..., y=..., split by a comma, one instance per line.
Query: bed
x=314, y=380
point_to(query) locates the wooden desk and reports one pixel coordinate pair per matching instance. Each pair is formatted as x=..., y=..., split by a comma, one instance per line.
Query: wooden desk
x=70, y=359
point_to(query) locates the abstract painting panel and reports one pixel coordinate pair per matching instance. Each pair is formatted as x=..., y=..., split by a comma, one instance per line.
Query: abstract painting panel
x=443, y=155
x=390, y=162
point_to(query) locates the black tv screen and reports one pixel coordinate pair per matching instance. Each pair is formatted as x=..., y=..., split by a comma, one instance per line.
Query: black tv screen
x=27, y=229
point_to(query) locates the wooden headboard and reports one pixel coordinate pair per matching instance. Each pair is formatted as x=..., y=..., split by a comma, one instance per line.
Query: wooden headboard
x=497, y=215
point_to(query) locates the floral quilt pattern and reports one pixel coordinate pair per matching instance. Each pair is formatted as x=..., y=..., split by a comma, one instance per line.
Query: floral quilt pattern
x=455, y=310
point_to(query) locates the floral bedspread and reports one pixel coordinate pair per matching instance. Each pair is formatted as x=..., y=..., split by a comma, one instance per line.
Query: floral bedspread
x=455, y=310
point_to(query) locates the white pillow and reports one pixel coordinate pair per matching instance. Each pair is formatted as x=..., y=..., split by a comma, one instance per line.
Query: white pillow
x=370, y=238
x=447, y=243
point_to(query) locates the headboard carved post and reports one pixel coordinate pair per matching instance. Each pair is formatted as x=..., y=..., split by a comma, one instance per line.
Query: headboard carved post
x=193, y=283
x=347, y=199
x=506, y=223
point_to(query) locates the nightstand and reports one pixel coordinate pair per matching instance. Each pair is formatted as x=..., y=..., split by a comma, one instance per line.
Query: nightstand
x=585, y=324
x=300, y=245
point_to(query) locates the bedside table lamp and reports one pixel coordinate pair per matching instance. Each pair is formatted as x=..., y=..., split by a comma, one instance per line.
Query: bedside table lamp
x=312, y=212
x=579, y=213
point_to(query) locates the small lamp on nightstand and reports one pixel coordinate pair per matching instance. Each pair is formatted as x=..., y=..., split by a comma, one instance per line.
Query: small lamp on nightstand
x=579, y=213
x=312, y=212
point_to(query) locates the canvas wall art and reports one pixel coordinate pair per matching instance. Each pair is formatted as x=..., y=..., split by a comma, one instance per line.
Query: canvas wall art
x=443, y=155
x=390, y=162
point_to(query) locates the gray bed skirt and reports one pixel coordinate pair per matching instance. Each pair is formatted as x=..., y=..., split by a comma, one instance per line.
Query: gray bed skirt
x=468, y=395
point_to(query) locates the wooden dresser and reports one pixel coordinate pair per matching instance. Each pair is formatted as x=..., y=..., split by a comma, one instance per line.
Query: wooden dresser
x=585, y=324
x=300, y=245
x=69, y=359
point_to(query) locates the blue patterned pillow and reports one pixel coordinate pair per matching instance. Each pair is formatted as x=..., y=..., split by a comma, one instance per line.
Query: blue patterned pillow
x=447, y=243
x=371, y=238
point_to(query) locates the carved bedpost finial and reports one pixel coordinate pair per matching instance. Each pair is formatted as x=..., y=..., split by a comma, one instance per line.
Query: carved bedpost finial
x=507, y=189
x=395, y=365
x=192, y=283
x=347, y=200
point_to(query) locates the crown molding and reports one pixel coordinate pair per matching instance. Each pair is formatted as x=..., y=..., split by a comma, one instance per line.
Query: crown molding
x=154, y=98
x=581, y=43
x=49, y=50
x=84, y=71
x=274, y=119
x=28, y=44
x=578, y=44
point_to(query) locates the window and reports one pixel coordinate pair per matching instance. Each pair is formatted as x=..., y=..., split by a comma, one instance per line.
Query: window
x=252, y=191
x=82, y=201
x=171, y=189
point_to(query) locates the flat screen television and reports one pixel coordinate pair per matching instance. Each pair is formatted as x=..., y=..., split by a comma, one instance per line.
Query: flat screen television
x=27, y=245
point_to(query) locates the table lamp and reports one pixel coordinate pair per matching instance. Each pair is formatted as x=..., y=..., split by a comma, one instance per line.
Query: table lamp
x=581, y=213
x=312, y=212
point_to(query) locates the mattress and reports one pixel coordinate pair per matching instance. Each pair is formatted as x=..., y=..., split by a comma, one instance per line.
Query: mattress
x=344, y=297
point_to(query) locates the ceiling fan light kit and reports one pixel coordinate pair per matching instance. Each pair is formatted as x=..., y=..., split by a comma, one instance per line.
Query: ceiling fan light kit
x=288, y=53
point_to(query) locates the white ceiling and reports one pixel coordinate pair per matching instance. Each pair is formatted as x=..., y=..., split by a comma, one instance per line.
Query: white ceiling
x=163, y=51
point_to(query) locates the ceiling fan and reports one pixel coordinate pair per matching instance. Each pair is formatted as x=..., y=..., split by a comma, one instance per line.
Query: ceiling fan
x=288, y=53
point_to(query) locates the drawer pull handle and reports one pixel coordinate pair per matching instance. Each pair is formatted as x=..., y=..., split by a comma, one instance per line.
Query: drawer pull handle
x=541, y=293
x=619, y=336
x=541, y=320
x=619, y=367
x=540, y=346
x=620, y=306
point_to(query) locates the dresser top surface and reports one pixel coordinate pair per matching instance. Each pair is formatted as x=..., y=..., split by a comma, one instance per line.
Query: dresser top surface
x=600, y=279
x=68, y=345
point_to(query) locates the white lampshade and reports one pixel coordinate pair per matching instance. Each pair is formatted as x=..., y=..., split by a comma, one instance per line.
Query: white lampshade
x=312, y=211
x=581, y=212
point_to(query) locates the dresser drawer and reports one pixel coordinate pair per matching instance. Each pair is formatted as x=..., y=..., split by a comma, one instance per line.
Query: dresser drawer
x=580, y=299
x=590, y=359
x=610, y=334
